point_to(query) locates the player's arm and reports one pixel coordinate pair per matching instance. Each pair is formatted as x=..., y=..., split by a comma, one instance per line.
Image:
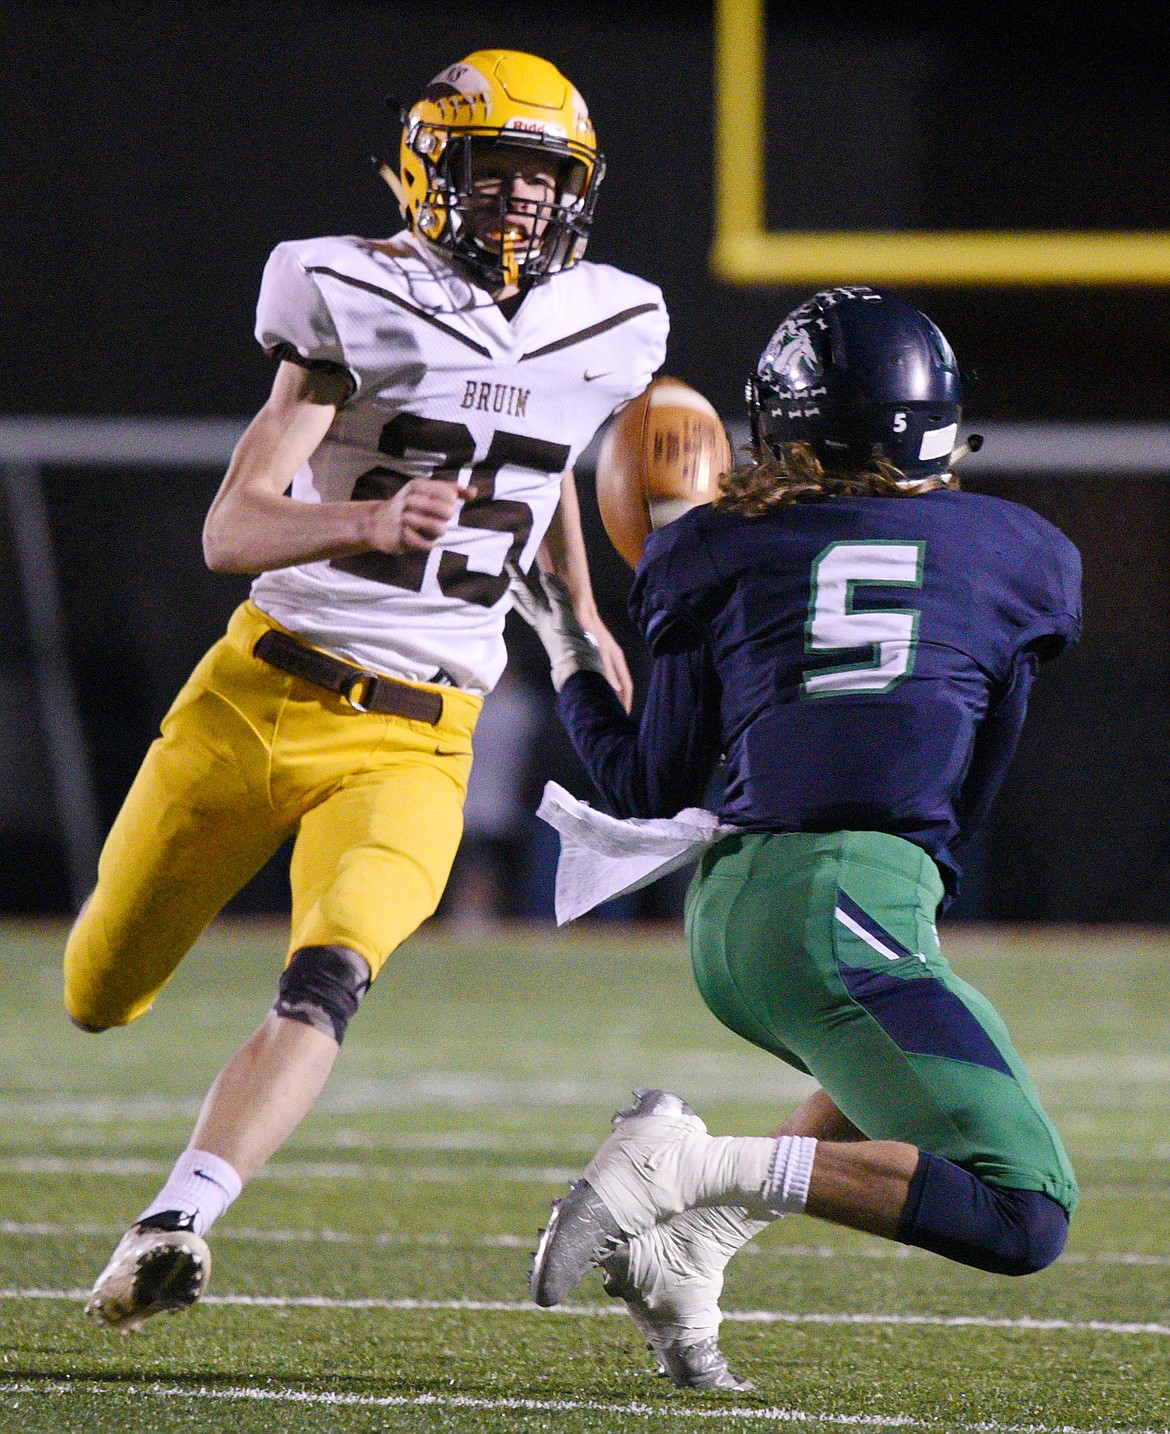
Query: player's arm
x=649, y=768
x=995, y=745
x=659, y=765
x=1052, y=579
x=252, y=526
x=563, y=553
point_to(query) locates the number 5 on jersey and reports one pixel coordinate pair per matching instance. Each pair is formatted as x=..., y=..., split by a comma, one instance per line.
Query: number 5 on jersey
x=890, y=634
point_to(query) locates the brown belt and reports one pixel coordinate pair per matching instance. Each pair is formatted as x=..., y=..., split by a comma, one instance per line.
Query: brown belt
x=364, y=691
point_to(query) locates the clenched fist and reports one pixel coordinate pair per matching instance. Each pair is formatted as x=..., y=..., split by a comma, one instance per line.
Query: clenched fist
x=415, y=518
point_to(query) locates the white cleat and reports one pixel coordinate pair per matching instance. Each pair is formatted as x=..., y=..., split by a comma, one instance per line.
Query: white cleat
x=627, y=1188
x=671, y=1278
x=151, y=1271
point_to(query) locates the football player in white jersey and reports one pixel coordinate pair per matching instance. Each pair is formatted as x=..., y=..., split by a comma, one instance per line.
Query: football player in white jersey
x=433, y=393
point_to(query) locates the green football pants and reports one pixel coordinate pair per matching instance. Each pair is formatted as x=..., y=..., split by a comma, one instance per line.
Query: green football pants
x=821, y=948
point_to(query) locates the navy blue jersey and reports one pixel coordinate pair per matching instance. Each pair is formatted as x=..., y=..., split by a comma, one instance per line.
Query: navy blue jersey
x=861, y=663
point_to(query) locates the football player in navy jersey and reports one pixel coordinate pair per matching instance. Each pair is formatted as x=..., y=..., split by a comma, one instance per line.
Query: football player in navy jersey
x=857, y=639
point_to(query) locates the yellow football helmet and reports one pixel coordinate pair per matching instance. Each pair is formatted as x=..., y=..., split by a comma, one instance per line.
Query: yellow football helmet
x=497, y=98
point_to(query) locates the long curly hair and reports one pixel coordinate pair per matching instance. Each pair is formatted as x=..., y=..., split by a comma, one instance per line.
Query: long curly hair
x=797, y=475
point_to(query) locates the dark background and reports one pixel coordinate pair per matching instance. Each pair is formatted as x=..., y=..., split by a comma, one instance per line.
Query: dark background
x=154, y=157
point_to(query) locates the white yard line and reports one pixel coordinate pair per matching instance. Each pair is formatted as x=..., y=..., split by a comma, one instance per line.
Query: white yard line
x=44, y=1229
x=630, y=1410
x=51, y=1230
x=1125, y=1068
x=708, y=1078
x=287, y=1169
x=710, y=1081
x=79, y=1133
x=99, y=1113
x=453, y=1174
x=329, y=1302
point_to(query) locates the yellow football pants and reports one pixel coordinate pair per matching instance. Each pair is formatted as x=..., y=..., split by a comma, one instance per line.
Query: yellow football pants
x=248, y=757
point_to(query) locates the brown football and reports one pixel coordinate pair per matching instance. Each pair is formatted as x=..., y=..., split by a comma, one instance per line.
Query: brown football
x=663, y=454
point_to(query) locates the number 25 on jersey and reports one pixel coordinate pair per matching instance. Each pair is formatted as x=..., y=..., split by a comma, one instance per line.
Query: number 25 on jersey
x=445, y=450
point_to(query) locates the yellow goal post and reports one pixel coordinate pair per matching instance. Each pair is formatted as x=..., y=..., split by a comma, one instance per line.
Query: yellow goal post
x=746, y=253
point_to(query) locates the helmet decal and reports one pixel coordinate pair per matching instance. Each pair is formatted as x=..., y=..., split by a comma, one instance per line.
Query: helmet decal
x=938, y=442
x=581, y=121
x=790, y=360
x=460, y=79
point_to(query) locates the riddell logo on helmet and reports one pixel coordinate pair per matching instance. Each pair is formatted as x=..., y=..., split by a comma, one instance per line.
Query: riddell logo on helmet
x=554, y=131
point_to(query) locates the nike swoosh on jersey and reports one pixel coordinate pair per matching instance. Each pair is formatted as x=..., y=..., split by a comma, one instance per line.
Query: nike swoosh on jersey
x=590, y=377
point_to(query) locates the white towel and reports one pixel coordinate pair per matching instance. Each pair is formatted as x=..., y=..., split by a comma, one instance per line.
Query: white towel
x=602, y=857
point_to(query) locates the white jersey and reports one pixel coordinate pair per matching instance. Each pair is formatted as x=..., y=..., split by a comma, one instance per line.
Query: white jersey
x=443, y=386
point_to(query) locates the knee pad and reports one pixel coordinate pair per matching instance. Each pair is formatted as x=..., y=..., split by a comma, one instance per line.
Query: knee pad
x=990, y=1227
x=1045, y=1230
x=322, y=987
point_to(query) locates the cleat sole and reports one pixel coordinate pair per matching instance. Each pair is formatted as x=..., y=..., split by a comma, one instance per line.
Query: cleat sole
x=150, y=1273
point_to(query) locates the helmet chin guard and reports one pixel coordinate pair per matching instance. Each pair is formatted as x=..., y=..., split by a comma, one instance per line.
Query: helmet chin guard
x=493, y=100
x=859, y=375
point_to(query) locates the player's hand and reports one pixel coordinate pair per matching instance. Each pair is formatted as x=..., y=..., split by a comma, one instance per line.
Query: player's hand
x=415, y=518
x=543, y=601
x=614, y=660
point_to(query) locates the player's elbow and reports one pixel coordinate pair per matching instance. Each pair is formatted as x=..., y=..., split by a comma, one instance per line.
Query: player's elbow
x=219, y=560
x=214, y=556
x=220, y=553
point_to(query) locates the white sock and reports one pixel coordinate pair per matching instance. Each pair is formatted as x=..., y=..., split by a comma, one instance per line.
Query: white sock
x=201, y=1185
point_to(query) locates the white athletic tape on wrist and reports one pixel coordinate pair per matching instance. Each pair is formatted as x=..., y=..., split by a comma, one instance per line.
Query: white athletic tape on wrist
x=791, y=1172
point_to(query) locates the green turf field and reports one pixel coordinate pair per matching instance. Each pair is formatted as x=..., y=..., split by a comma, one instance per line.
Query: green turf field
x=374, y=1278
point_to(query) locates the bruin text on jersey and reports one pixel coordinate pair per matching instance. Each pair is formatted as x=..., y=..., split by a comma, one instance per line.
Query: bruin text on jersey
x=496, y=398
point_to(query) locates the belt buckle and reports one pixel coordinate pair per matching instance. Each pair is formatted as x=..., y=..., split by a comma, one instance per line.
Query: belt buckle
x=362, y=704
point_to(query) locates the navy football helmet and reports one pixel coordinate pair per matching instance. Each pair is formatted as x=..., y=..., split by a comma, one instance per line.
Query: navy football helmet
x=858, y=375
